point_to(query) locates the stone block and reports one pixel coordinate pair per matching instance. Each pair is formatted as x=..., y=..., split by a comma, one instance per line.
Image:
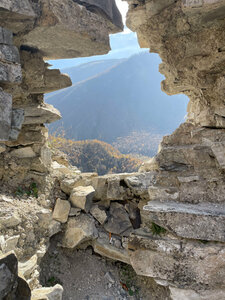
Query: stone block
x=82, y=197
x=140, y=182
x=78, y=230
x=5, y=115
x=114, y=190
x=99, y=214
x=61, y=210
x=193, y=221
x=6, y=36
x=104, y=248
x=10, y=73
x=17, y=121
x=9, y=53
x=118, y=221
x=186, y=264
x=83, y=179
x=24, y=152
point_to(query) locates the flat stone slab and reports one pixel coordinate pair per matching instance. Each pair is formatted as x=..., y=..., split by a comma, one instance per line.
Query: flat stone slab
x=186, y=264
x=41, y=114
x=195, y=221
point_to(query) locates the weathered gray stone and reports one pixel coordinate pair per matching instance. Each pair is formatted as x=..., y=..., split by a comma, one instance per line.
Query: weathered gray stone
x=10, y=73
x=61, y=210
x=103, y=247
x=78, y=230
x=21, y=7
x=114, y=189
x=111, y=186
x=9, y=53
x=17, y=121
x=192, y=221
x=161, y=193
x=74, y=212
x=51, y=293
x=108, y=7
x=99, y=214
x=118, y=221
x=184, y=264
x=83, y=179
x=41, y=114
x=54, y=228
x=5, y=115
x=82, y=197
x=6, y=36
x=139, y=183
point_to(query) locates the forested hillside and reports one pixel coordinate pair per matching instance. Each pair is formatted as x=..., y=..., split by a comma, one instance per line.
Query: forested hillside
x=95, y=156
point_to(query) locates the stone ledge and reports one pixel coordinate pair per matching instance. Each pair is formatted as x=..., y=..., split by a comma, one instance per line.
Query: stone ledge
x=193, y=221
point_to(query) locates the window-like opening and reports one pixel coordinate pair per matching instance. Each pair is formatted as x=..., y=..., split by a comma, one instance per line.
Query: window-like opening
x=115, y=112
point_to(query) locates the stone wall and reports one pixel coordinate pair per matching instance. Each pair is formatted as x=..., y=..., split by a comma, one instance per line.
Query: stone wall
x=187, y=193
x=31, y=31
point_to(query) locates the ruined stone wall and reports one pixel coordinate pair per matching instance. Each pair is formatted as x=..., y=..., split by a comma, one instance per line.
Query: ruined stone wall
x=188, y=188
x=31, y=31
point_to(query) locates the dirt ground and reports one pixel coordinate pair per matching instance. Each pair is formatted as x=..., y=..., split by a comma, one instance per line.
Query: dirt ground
x=87, y=276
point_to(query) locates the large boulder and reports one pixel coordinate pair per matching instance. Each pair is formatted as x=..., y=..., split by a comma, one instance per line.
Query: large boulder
x=61, y=210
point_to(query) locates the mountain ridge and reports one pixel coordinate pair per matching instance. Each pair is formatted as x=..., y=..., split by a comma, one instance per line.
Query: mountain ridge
x=120, y=98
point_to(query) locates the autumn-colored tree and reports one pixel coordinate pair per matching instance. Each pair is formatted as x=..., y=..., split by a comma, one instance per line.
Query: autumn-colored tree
x=94, y=155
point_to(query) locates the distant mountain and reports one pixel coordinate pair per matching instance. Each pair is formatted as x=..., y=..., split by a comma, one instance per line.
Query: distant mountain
x=112, y=98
